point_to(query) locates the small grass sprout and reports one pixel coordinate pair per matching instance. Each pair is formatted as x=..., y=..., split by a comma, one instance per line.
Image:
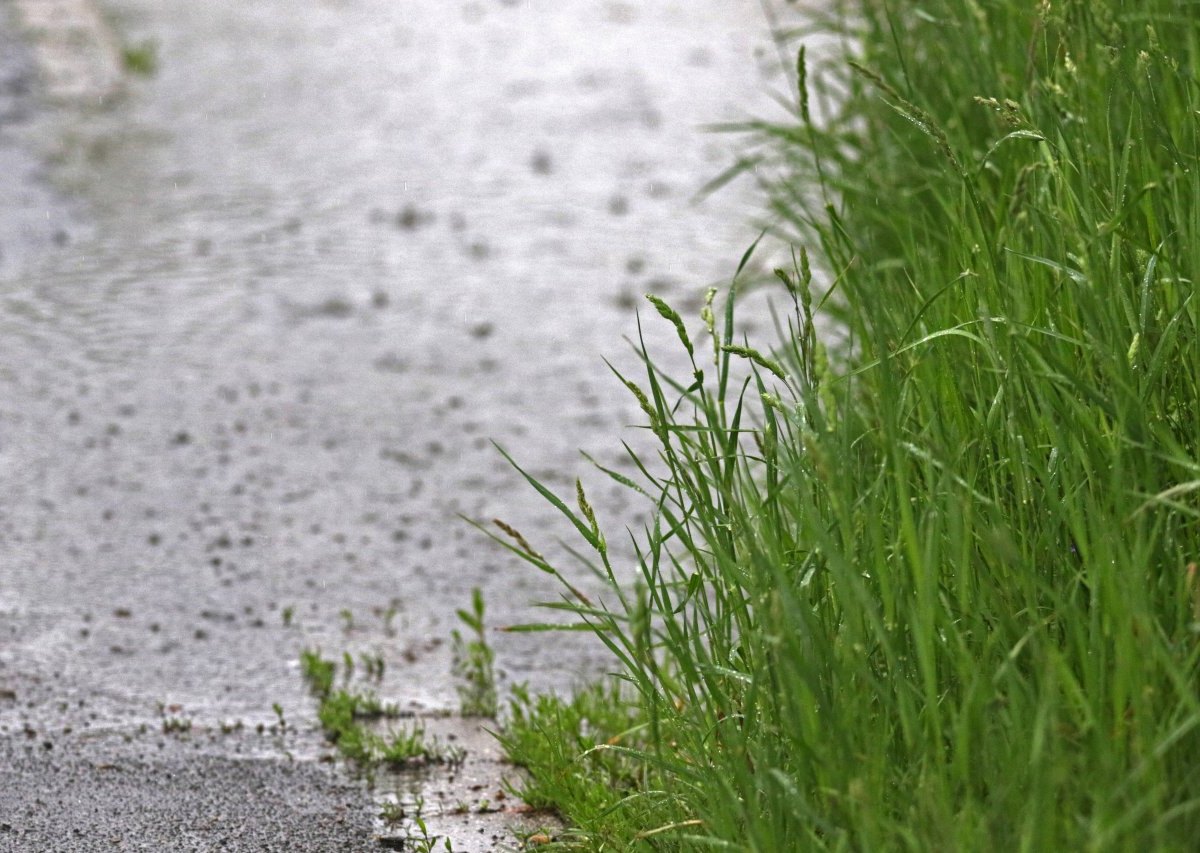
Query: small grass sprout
x=175, y=725
x=474, y=662
x=141, y=58
x=317, y=672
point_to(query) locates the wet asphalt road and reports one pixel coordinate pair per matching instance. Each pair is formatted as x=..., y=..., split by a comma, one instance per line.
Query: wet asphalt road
x=255, y=343
x=34, y=219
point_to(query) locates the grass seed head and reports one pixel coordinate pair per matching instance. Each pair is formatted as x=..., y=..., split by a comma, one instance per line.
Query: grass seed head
x=516, y=536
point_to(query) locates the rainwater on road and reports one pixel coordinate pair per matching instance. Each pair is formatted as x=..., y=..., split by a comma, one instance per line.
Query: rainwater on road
x=295, y=284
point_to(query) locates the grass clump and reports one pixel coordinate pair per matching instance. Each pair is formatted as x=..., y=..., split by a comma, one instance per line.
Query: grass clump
x=344, y=715
x=577, y=748
x=317, y=672
x=934, y=588
x=141, y=59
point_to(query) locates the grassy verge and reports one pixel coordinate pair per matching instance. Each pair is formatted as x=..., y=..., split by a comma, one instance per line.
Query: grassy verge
x=935, y=590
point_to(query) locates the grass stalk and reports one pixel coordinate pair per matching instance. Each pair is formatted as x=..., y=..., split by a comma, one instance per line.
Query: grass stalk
x=932, y=587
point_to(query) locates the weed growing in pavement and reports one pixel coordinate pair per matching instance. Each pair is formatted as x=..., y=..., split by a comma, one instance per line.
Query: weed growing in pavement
x=174, y=722
x=928, y=590
x=425, y=842
x=474, y=662
x=176, y=725
x=317, y=672
x=388, y=615
x=409, y=747
x=373, y=665
x=141, y=58
x=393, y=811
x=343, y=714
x=416, y=835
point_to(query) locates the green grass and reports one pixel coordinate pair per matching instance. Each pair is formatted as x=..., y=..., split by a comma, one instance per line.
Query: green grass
x=141, y=59
x=344, y=715
x=474, y=662
x=929, y=588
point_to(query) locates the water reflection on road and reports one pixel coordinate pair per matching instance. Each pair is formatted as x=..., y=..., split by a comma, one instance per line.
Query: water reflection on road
x=335, y=247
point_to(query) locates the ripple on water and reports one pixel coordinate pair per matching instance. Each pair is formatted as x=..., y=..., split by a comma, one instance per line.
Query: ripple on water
x=307, y=299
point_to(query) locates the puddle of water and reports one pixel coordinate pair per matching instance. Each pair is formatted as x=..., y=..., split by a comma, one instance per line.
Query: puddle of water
x=470, y=802
x=35, y=219
x=335, y=252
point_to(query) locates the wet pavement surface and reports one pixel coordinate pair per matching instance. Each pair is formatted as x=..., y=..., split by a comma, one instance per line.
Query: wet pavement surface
x=260, y=320
x=34, y=217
